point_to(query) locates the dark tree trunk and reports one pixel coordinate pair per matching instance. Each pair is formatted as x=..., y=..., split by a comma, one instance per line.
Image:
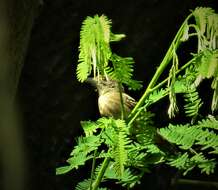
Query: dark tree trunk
x=16, y=21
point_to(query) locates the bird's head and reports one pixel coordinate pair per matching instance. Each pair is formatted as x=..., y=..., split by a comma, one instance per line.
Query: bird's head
x=103, y=85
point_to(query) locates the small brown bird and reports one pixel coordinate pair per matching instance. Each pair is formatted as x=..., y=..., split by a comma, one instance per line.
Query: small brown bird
x=109, y=103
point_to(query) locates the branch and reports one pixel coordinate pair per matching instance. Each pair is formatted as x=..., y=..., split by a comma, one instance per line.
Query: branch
x=101, y=173
x=174, y=45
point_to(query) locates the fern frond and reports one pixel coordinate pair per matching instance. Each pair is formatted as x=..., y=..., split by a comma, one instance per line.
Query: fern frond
x=120, y=147
x=129, y=178
x=182, y=135
x=153, y=149
x=180, y=161
x=186, y=163
x=208, y=64
x=64, y=169
x=83, y=185
x=87, y=49
x=186, y=136
x=209, y=122
x=104, y=122
x=212, y=31
x=116, y=37
x=104, y=27
x=136, y=155
x=83, y=70
x=208, y=139
x=89, y=127
x=81, y=153
x=201, y=15
x=193, y=102
x=122, y=71
x=78, y=160
x=103, y=154
x=108, y=135
x=74, y=162
x=156, y=96
x=146, y=136
x=190, y=77
x=103, y=52
x=144, y=128
x=207, y=166
x=94, y=46
x=86, y=144
x=214, y=86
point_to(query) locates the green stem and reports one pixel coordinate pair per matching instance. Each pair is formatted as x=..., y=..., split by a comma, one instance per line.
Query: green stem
x=101, y=173
x=93, y=168
x=121, y=102
x=158, y=86
x=166, y=60
x=177, y=72
x=193, y=151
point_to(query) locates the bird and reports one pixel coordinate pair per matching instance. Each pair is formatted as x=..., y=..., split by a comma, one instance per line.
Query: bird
x=109, y=101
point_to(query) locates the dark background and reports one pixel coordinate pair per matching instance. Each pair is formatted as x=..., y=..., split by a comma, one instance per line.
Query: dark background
x=52, y=101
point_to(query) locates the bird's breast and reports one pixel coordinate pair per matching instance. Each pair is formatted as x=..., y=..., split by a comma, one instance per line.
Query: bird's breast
x=109, y=104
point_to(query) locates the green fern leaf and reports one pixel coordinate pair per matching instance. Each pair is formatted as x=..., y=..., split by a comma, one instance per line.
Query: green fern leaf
x=214, y=85
x=156, y=96
x=182, y=135
x=121, y=142
x=129, y=178
x=180, y=162
x=186, y=136
x=136, y=155
x=78, y=160
x=144, y=128
x=207, y=167
x=122, y=71
x=181, y=85
x=209, y=64
x=86, y=144
x=193, y=102
x=94, y=46
x=83, y=185
x=81, y=153
x=104, y=122
x=208, y=139
x=210, y=122
x=83, y=71
x=63, y=170
x=116, y=37
x=186, y=163
x=201, y=16
x=89, y=127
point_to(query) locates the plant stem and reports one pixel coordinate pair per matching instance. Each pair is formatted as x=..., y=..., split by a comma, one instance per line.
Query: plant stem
x=123, y=113
x=93, y=168
x=101, y=173
x=158, y=86
x=177, y=72
x=166, y=60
